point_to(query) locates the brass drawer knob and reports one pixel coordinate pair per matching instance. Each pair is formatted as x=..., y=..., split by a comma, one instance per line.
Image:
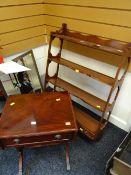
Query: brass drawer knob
x=58, y=136
x=16, y=141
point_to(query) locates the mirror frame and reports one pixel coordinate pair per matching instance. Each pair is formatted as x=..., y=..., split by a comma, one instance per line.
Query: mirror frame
x=21, y=58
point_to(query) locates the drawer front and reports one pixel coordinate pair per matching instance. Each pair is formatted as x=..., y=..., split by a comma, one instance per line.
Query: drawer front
x=17, y=141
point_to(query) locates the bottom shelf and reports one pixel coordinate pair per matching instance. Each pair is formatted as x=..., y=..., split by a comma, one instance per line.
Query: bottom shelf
x=87, y=124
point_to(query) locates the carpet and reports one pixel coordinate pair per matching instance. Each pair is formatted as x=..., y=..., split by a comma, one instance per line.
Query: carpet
x=86, y=157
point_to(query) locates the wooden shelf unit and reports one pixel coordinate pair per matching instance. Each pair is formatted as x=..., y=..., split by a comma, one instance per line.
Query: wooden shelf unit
x=86, y=123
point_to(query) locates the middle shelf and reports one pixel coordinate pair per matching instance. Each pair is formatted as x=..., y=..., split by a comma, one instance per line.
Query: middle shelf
x=90, y=99
x=78, y=68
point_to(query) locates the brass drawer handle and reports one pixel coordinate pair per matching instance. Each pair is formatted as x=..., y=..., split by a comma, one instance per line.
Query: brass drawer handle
x=17, y=141
x=58, y=136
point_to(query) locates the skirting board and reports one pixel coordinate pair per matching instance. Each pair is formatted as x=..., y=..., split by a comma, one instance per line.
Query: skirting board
x=118, y=122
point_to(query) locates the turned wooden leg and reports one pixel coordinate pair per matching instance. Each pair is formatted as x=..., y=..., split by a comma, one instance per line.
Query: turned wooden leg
x=67, y=157
x=20, y=161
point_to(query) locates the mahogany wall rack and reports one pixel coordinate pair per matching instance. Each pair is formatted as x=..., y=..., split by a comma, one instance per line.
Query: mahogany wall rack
x=89, y=126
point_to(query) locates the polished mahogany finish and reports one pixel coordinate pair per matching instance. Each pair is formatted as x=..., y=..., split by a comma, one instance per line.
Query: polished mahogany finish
x=37, y=119
x=87, y=124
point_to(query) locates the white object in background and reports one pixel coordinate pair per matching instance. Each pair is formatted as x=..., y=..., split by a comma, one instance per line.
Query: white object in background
x=12, y=67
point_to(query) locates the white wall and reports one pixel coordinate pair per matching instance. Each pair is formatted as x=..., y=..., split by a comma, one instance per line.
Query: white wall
x=121, y=114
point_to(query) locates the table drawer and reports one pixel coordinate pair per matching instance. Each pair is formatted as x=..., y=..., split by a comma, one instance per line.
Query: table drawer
x=37, y=139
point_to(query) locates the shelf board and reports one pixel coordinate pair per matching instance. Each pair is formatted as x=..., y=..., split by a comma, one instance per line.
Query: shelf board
x=90, y=99
x=91, y=73
x=117, y=51
x=88, y=124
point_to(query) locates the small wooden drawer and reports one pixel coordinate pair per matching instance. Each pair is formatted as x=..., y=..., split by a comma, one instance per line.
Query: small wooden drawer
x=34, y=140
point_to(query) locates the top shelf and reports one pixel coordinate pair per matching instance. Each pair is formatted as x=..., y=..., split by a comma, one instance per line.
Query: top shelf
x=112, y=46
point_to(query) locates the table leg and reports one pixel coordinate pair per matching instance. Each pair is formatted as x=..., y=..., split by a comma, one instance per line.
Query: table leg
x=20, y=161
x=67, y=157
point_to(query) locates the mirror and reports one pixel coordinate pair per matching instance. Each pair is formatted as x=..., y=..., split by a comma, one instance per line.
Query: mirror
x=23, y=82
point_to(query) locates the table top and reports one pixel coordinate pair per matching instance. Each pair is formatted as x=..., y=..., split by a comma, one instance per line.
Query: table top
x=37, y=114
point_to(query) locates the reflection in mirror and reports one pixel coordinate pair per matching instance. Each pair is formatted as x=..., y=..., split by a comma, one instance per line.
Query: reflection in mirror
x=23, y=82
